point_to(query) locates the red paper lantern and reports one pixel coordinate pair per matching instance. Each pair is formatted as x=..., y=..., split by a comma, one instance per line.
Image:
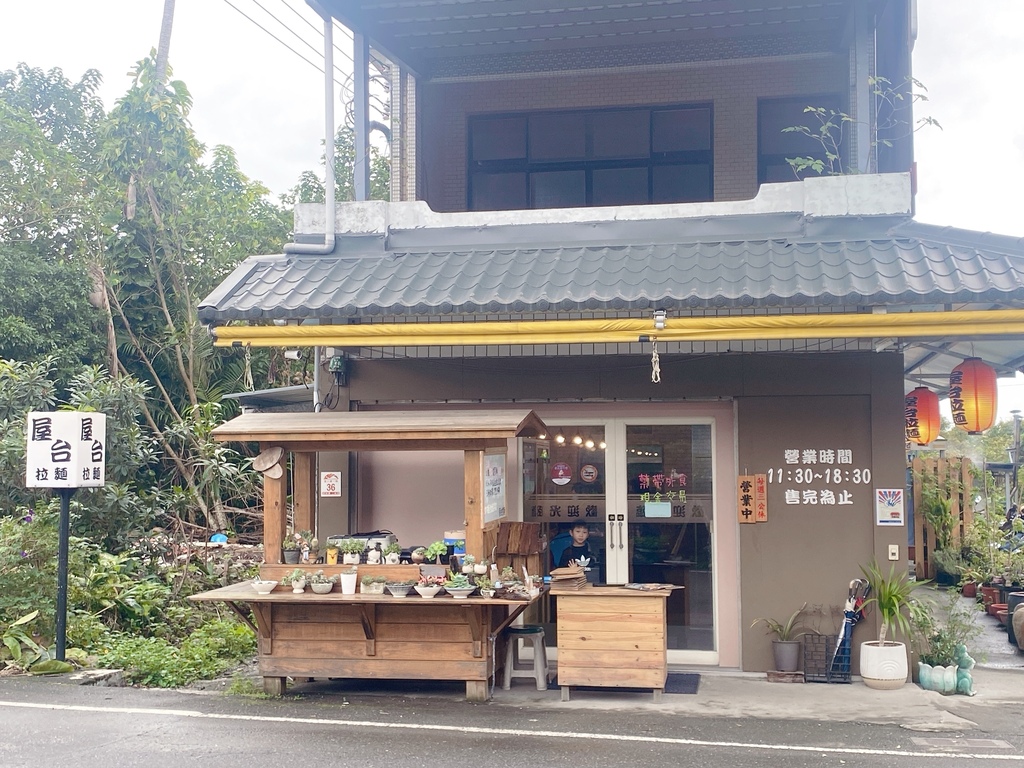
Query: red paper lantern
x=972, y=395
x=921, y=408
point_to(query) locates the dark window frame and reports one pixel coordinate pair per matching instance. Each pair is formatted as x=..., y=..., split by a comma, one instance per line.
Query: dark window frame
x=589, y=164
x=766, y=160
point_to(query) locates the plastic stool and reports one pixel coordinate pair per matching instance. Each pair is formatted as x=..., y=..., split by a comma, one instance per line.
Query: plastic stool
x=534, y=635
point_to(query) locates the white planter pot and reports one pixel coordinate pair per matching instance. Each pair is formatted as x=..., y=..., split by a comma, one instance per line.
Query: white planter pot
x=350, y=558
x=373, y=557
x=883, y=667
x=480, y=569
x=392, y=558
x=348, y=583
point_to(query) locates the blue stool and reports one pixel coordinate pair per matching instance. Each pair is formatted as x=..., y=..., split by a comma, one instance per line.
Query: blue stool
x=534, y=635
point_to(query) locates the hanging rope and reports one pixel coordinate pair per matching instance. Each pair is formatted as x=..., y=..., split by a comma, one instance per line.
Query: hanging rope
x=249, y=386
x=655, y=361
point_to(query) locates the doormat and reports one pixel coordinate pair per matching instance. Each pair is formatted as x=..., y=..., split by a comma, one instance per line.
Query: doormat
x=677, y=682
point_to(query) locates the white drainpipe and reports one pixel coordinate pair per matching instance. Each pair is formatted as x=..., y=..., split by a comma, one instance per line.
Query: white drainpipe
x=329, y=204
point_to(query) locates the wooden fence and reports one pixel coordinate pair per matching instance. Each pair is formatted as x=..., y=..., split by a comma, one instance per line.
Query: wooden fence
x=953, y=475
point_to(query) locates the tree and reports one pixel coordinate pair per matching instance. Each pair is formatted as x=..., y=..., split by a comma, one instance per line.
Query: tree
x=310, y=187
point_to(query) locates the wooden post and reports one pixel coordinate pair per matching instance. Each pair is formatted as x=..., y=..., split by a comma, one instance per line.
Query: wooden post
x=275, y=516
x=474, y=467
x=304, y=491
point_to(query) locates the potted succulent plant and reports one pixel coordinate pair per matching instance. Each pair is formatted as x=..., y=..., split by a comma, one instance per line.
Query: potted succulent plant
x=458, y=585
x=435, y=551
x=400, y=588
x=351, y=550
x=485, y=585
x=468, y=563
x=296, y=579
x=291, y=549
x=884, y=664
x=392, y=553
x=320, y=583
x=348, y=581
x=331, y=556
x=429, y=586
x=786, y=644
x=373, y=585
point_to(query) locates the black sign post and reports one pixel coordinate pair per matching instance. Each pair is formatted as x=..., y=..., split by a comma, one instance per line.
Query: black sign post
x=62, y=570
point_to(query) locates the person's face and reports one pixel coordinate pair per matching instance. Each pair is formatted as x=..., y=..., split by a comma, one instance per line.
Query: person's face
x=579, y=535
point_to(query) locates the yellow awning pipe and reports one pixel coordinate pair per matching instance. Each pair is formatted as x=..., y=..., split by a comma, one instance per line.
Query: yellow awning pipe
x=1005, y=322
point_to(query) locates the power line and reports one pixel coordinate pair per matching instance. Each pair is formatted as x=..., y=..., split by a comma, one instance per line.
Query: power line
x=319, y=31
x=317, y=67
x=297, y=35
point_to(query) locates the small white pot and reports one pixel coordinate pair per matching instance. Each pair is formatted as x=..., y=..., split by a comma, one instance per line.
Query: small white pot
x=350, y=558
x=392, y=558
x=884, y=667
x=480, y=569
x=348, y=583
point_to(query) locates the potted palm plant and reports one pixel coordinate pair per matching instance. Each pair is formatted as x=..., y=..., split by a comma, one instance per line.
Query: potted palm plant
x=884, y=664
x=786, y=644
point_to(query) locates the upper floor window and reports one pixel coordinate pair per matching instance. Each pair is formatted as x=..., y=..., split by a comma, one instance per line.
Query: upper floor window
x=775, y=144
x=590, y=157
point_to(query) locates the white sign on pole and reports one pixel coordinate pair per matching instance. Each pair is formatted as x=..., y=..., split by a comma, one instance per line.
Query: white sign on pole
x=330, y=484
x=66, y=449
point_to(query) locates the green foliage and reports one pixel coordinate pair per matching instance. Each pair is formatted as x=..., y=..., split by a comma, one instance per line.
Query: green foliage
x=937, y=630
x=208, y=651
x=244, y=686
x=310, y=187
x=783, y=630
x=891, y=594
x=28, y=566
x=435, y=550
x=891, y=123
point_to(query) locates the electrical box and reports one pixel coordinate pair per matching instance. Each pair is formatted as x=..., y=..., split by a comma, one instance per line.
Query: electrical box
x=894, y=551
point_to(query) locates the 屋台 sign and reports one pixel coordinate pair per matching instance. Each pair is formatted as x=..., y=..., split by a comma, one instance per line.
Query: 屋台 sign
x=65, y=449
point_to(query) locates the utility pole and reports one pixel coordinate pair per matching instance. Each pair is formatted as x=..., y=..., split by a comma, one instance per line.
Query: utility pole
x=165, y=41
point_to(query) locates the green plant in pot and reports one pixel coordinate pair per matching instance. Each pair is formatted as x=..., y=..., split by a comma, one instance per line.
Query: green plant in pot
x=352, y=550
x=392, y=553
x=434, y=552
x=884, y=664
x=786, y=645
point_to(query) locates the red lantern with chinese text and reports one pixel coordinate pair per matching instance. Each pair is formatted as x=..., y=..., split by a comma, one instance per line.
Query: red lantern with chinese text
x=921, y=408
x=972, y=395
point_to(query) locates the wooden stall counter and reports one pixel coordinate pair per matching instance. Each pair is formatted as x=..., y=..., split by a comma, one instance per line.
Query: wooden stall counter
x=373, y=636
x=612, y=637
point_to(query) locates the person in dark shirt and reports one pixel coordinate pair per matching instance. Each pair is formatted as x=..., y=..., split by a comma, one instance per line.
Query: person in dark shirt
x=579, y=547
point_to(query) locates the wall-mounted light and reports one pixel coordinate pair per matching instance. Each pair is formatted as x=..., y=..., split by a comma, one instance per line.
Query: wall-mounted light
x=577, y=440
x=589, y=444
x=560, y=439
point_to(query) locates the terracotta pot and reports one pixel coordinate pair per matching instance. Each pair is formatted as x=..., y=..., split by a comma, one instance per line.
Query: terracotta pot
x=970, y=589
x=995, y=608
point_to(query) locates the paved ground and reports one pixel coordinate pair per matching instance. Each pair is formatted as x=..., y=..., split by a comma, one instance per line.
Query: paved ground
x=999, y=702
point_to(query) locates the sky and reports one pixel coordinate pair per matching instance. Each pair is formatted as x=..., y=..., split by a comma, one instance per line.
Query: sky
x=252, y=93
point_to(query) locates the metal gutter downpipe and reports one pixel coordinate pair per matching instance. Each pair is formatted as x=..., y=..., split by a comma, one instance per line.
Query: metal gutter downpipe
x=329, y=203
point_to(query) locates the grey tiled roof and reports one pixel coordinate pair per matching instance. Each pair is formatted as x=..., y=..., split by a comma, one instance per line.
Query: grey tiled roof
x=870, y=264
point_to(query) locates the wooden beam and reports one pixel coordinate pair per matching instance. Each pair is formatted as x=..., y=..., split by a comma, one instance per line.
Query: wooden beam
x=304, y=491
x=275, y=516
x=474, y=502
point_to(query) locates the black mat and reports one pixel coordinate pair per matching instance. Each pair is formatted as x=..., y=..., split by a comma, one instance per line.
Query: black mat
x=678, y=682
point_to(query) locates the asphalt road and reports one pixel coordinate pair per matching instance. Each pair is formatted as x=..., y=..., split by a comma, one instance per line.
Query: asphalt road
x=48, y=722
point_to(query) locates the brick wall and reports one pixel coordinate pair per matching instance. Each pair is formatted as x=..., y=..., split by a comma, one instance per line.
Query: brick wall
x=733, y=89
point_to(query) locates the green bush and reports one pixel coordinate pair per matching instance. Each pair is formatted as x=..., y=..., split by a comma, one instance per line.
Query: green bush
x=153, y=661
x=28, y=567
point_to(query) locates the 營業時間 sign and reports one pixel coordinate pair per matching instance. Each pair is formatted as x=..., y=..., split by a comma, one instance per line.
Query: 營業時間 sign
x=65, y=449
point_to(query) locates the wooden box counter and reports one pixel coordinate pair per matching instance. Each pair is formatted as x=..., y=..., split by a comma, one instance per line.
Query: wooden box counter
x=373, y=636
x=612, y=637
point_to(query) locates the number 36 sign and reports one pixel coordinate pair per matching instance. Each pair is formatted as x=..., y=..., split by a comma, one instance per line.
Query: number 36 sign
x=65, y=449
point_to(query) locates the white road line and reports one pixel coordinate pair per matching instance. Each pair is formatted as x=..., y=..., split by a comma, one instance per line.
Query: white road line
x=513, y=732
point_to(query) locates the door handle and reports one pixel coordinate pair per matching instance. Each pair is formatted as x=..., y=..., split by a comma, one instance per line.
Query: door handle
x=611, y=533
x=621, y=538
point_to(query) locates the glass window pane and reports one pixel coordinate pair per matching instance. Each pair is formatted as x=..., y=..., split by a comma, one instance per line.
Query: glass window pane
x=774, y=115
x=498, y=138
x=682, y=130
x=682, y=183
x=558, y=136
x=620, y=186
x=498, y=192
x=558, y=189
x=621, y=134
